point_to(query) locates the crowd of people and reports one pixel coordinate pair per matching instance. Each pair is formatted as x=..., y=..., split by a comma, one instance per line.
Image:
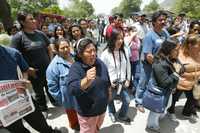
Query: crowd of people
x=141, y=54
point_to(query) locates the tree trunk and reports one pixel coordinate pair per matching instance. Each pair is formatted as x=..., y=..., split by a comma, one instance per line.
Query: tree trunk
x=5, y=15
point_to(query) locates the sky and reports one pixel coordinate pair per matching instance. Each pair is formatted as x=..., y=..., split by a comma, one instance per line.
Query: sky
x=103, y=6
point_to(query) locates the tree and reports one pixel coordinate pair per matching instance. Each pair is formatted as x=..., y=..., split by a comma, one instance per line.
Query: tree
x=9, y=9
x=152, y=7
x=53, y=9
x=79, y=9
x=31, y=6
x=128, y=6
x=5, y=15
x=190, y=7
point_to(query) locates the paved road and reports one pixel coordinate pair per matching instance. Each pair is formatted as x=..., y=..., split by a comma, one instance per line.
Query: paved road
x=57, y=118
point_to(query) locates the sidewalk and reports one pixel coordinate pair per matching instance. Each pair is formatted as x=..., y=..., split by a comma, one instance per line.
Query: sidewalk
x=57, y=118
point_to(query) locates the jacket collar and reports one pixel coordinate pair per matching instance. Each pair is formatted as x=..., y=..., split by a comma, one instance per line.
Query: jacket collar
x=60, y=60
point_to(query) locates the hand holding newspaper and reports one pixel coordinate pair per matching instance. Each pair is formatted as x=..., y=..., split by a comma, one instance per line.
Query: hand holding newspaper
x=15, y=100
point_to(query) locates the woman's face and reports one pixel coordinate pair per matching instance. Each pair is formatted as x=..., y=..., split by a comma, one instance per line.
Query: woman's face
x=64, y=49
x=76, y=32
x=119, y=41
x=196, y=29
x=30, y=23
x=175, y=52
x=89, y=55
x=45, y=29
x=59, y=31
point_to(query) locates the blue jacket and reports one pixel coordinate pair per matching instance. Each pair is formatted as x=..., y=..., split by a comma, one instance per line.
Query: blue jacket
x=93, y=101
x=57, y=78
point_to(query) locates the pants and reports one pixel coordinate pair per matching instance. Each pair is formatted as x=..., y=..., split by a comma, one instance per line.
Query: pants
x=125, y=103
x=145, y=73
x=38, y=86
x=72, y=118
x=189, y=107
x=90, y=124
x=36, y=120
x=135, y=72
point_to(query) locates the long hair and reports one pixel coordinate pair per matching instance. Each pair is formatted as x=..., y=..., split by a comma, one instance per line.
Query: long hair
x=166, y=47
x=112, y=40
x=62, y=28
x=70, y=31
x=21, y=17
x=191, y=40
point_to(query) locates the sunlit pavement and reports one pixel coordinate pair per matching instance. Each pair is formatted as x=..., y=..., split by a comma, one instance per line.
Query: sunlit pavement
x=58, y=119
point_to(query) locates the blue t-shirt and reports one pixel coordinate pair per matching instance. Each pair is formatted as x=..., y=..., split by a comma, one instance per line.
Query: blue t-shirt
x=153, y=41
x=151, y=44
x=9, y=59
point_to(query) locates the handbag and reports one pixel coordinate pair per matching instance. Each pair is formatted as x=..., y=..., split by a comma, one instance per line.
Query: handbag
x=154, y=99
x=196, y=88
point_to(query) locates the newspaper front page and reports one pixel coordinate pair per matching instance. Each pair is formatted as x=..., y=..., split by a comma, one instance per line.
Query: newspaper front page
x=15, y=103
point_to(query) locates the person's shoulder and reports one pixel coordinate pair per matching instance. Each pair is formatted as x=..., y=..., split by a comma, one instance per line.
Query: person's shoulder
x=39, y=32
x=18, y=35
x=76, y=65
x=10, y=50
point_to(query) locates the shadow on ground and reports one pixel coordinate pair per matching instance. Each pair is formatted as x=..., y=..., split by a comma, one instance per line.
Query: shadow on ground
x=55, y=112
x=63, y=130
x=115, y=128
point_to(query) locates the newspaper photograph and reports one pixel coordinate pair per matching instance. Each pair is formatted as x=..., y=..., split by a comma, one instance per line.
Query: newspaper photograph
x=15, y=102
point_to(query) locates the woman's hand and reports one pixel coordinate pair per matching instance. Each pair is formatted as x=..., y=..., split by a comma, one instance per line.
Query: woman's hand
x=22, y=85
x=127, y=83
x=185, y=85
x=87, y=80
x=32, y=72
x=91, y=74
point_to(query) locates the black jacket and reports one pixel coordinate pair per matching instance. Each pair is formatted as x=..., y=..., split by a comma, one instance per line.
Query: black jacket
x=164, y=73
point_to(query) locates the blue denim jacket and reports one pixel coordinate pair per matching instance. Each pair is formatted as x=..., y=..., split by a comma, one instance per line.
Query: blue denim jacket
x=57, y=78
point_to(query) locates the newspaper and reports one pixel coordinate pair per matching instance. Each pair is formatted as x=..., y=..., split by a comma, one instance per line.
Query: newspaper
x=15, y=103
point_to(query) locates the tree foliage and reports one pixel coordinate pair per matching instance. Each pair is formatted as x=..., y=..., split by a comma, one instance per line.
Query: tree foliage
x=127, y=6
x=53, y=9
x=190, y=7
x=30, y=6
x=152, y=6
x=79, y=9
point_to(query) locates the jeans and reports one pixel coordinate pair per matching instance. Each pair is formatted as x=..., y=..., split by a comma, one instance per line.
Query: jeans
x=145, y=73
x=153, y=120
x=124, y=96
x=135, y=72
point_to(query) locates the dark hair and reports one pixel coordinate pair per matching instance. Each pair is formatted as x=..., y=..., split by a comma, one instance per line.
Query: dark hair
x=192, y=24
x=59, y=41
x=167, y=46
x=157, y=14
x=59, y=26
x=191, y=39
x=21, y=17
x=81, y=45
x=70, y=31
x=82, y=19
x=112, y=40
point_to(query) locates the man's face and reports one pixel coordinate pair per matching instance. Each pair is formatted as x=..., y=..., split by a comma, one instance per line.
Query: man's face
x=118, y=22
x=160, y=22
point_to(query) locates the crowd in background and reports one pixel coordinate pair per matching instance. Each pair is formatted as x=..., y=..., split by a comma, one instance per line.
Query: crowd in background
x=141, y=51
